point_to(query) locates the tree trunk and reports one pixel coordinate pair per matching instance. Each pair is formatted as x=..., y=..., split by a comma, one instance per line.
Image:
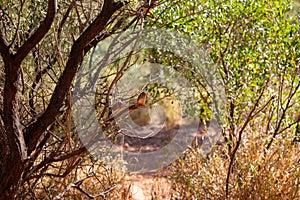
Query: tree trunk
x=13, y=149
x=16, y=142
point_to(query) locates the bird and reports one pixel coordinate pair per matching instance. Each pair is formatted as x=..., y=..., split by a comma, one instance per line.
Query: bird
x=141, y=100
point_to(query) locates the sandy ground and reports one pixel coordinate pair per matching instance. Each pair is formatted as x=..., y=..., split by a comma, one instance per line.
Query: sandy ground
x=148, y=187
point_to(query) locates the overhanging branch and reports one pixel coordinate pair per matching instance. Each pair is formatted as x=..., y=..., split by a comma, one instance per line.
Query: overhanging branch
x=35, y=130
x=39, y=34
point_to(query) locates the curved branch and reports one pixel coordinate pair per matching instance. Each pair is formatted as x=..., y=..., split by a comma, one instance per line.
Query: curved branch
x=39, y=34
x=35, y=130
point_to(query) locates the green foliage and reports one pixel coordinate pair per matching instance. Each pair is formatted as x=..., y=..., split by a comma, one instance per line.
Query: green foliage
x=253, y=43
x=255, y=46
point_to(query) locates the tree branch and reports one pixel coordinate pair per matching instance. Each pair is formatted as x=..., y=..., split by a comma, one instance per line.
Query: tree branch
x=4, y=50
x=39, y=34
x=35, y=130
x=249, y=118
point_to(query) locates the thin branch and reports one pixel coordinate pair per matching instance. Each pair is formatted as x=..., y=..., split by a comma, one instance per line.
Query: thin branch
x=52, y=159
x=35, y=130
x=249, y=118
x=18, y=24
x=39, y=34
x=282, y=116
x=64, y=19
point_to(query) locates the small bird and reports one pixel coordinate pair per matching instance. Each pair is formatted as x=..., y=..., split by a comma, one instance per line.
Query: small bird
x=141, y=100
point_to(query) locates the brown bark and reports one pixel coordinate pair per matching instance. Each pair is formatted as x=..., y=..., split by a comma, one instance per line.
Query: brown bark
x=17, y=144
x=14, y=151
x=75, y=58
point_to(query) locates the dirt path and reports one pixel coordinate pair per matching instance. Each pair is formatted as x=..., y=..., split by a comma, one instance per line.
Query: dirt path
x=155, y=185
x=149, y=186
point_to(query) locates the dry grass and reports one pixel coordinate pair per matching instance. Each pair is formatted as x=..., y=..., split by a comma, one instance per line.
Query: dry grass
x=255, y=174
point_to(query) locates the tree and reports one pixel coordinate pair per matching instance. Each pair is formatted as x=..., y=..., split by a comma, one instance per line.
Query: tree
x=255, y=46
x=38, y=45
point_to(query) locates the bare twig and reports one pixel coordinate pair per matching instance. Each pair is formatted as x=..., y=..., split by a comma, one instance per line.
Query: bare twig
x=34, y=131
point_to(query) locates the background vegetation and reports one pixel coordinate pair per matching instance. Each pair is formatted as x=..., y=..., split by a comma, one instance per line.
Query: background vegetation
x=255, y=46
